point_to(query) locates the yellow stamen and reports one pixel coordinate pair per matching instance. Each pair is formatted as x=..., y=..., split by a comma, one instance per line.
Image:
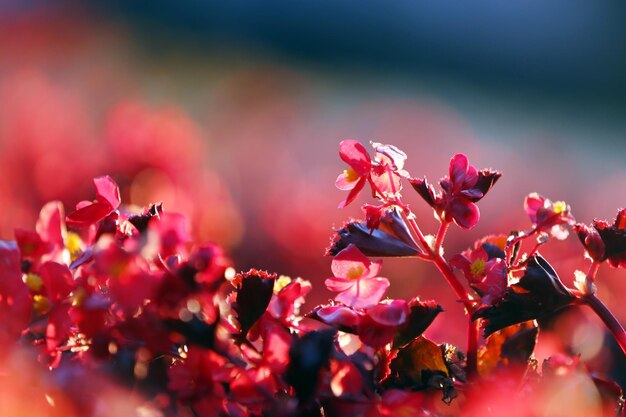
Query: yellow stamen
x=33, y=282
x=559, y=207
x=73, y=244
x=41, y=304
x=351, y=175
x=79, y=296
x=281, y=283
x=477, y=267
x=355, y=272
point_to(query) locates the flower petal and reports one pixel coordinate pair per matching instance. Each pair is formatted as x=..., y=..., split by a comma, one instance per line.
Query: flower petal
x=532, y=203
x=471, y=177
x=365, y=293
x=50, y=225
x=458, y=168
x=354, y=154
x=88, y=215
x=107, y=191
x=347, y=260
x=464, y=212
x=354, y=192
x=391, y=155
x=340, y=317
x=390, y=312
x=338, y=284
x=343, y=183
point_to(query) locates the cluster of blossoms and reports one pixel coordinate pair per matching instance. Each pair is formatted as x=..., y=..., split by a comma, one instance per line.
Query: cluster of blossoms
x=145, y=145
x=125, y=294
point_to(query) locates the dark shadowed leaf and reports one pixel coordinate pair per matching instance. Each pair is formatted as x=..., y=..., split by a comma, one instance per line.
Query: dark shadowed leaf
x=426, y=191
x=486, y=179
x=538, y=294
x=510, y=347
x=422, y=314
x=421, y=364
x=195, y=331
x=391, y=238
x=307, y=357
x=254, y=292
x=493, y=251
x=140, y=221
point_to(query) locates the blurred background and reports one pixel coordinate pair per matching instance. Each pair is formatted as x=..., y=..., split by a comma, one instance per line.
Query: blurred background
x=232, y=112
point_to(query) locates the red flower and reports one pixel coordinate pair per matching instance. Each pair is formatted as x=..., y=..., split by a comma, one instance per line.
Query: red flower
x=197, y=381
x=356, y=279
x=15, y=304
x=255, y=387
x=47, y=242
x=605, y=242
x=464, y=187
x=169, y=231
x=90, y=212
x=286, y=301
x=548, y=216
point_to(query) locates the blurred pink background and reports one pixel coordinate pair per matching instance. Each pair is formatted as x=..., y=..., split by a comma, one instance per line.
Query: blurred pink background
x=241, y=134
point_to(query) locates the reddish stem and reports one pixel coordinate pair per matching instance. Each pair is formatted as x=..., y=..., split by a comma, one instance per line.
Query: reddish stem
x=441, y=234
x=445, y=270
x=593, y=270
x=472, y=348
x=442, y=265
x=607, y=318
x=459, y=289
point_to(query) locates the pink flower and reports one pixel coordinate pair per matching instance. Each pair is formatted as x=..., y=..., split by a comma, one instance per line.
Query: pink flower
x=355, y=177
x=548, y=216
x=356, y=279
x=383, y=173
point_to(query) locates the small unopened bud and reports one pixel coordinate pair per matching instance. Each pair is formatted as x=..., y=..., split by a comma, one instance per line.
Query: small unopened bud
x=592, y=241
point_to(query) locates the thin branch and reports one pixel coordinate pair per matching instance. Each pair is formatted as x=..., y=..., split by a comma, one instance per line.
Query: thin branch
x=607, y=318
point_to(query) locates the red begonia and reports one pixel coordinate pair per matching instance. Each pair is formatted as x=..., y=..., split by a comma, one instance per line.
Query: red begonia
x=461, y=189
x=91, y=212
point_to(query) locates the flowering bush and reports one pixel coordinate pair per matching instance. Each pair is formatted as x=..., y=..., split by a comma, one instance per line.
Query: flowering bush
x=106, y=297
